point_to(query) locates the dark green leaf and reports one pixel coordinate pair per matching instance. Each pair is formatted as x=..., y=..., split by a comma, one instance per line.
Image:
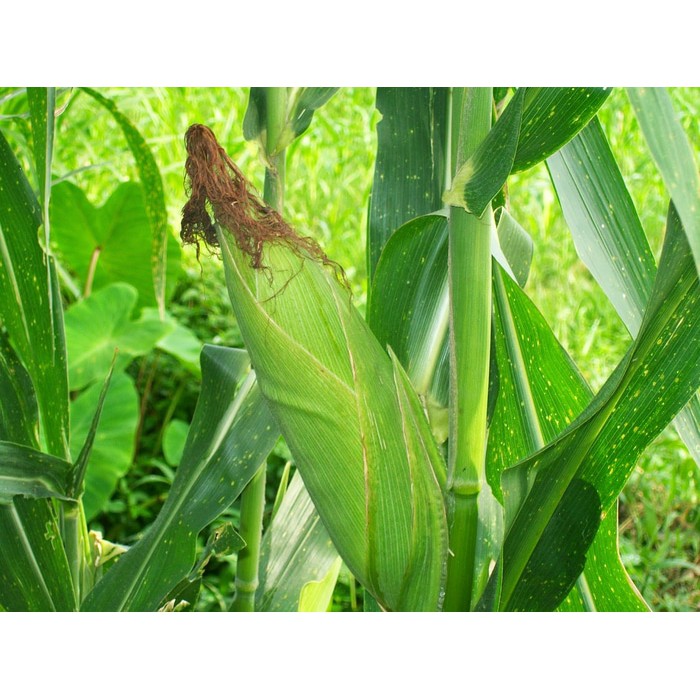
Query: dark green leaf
x=34, y=574
x=28, y=472
x=230, y=437
x=30, y=302
x=409, y=175
x=551, y=117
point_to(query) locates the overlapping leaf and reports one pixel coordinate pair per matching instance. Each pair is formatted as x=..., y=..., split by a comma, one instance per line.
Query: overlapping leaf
x=230, y=436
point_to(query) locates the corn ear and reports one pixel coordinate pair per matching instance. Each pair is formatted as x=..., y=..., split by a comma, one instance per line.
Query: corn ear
x=351, y=419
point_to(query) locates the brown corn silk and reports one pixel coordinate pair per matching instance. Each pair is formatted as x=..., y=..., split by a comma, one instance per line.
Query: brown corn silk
x=214, y=183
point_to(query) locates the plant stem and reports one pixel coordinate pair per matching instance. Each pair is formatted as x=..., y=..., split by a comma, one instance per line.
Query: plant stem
x=252, y=508
x=253, y=496
x=77, y=546
x=470, y=340
x=91, y=271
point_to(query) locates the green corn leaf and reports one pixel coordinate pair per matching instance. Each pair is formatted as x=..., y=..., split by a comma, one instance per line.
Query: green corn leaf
x=34, y=573
x=19, y=415
x=516, y=244
x=610, y=240
x=113, y=442
x=351, y=420
x=409, y=174
x=296, y=549
x=485, y=172
x=231, y=435
x=673, y=155
x=551, y=117
x=303, y=102
x=154, y=196
x=112, y=242
x=556, y=498
x=30, y=302
x=540, y=393
x=28, y=472
x=99, y=325
x=42, y=105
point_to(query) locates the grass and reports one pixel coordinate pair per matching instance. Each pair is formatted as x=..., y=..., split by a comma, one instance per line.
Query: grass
x=328, y=184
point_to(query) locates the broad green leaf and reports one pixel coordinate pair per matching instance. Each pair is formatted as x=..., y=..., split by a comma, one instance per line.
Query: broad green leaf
x=231, y=435
x=295, y=550
x=174, y=439
x=180, y=342
x=556, y=498
x=30, y=302
x=101, y=324
x=28, y=472
x=255, y=117
x=409, y=174
x=154, y=197
x=303, y=102
x=483, y=175
x=34, y=574
x=351, y=420
x=551, y=117
x=114, y=441
x=610, y=240
x=19, y=415
x=112, y=242
x=673, y=155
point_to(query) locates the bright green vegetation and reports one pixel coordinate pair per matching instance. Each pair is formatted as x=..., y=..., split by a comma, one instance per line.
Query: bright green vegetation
x=157, y=374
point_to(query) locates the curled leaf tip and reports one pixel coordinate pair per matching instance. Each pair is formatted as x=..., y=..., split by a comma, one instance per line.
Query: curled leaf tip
x=219, y=193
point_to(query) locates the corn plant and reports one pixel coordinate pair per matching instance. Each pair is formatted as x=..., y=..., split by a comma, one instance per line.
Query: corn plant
x=448, y=450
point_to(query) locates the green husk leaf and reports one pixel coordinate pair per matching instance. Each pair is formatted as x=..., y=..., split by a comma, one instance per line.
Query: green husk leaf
x=348, y=422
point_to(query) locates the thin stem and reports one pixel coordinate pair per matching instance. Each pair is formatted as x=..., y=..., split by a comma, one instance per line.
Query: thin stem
x=253, y=496
x=252, y=508
x=77, y=546
x=470, y=339
x=91, y=271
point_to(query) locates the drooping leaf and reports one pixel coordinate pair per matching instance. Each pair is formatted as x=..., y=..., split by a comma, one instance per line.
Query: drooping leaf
x=556, y=498
x=154, y=196
x=516, y=244
x=114, y=441
x=302, y=105
x=409, y=173
x=368, y=459
x=28, y=472
x=316, y=596
x=610, y=240
x=114, y=239
x=101, y=324
x=673, y=155
x=30, y=302
x=485, y=172
x=551, y=117
x=231, y=435
x=295, y=550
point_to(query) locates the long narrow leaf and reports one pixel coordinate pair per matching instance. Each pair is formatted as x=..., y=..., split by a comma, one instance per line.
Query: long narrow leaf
x=610, y=240
x=153, y=194
x=230, y=436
